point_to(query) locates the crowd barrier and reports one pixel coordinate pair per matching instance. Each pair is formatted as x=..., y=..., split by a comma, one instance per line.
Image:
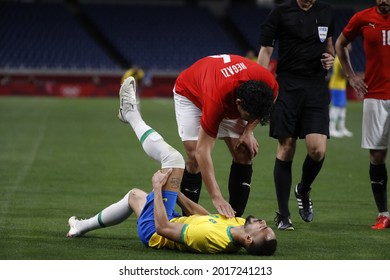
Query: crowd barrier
x=87, y=86
x=77, y=86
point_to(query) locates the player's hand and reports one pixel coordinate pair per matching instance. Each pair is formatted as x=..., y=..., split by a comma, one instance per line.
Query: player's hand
x=358, y=84
x=327, y=61
x=160, y=178
x=223, y=207
x=248, y=142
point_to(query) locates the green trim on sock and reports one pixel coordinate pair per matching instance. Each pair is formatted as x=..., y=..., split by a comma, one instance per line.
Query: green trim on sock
x=100, y=220
x=145, y=135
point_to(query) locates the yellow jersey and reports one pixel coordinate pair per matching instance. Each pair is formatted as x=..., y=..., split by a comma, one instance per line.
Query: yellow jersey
x=138, y=75
x=202, y=234
x=337, y=79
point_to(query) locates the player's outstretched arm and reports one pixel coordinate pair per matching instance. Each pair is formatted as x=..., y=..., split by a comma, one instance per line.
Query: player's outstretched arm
x=164, y=228
x=203, y=156
x=189, y=207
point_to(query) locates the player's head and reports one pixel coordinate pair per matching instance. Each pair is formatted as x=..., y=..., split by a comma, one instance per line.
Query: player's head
x=383, y=6
x=261, y=239
x=306, y=4
x=254, y=100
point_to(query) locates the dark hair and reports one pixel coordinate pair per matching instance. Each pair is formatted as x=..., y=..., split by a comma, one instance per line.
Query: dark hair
x=265, y=248
x=257, y=98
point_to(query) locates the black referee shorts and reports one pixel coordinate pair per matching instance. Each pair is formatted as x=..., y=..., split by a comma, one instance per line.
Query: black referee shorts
x=302, y=108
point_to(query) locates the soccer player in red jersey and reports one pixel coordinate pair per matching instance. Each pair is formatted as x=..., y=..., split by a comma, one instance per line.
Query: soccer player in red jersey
x=222, y=96
x=373, y=24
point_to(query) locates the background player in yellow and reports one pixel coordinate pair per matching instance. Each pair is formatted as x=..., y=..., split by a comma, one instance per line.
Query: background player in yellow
x=338, y=109
x=136, y=72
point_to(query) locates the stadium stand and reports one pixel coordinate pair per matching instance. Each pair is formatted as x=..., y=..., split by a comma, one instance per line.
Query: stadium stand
x=97, y=40
x=162, y=37
x=45, y=36
x=248, y=20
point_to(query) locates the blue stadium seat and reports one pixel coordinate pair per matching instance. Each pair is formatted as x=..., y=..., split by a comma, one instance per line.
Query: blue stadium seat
x=248, y=21
x=46, y=36
x=162, y=37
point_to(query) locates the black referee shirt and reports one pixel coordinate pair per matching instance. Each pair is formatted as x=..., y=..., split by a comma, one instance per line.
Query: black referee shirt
x=298, y=35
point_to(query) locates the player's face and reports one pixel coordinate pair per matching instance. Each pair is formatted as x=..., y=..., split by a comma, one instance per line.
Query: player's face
x=306, y=4
x=253, y=220
x=244, y=114
x=383, y=6
x=255, y=224
x=258, y=228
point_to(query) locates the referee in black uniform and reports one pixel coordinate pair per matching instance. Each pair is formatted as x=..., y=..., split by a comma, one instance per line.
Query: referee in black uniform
x=303, y=30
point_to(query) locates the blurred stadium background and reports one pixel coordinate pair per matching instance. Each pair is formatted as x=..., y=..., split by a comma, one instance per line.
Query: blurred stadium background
x=80, y=48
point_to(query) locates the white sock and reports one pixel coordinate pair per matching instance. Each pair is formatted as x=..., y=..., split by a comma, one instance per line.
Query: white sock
x=155, y=147
x=111, y=215
x=342, y=114
x=143, y=131
x=133, y=117
x=332, y=118
x=151, y=141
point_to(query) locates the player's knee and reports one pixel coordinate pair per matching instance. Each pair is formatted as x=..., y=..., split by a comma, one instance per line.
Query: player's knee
x=173, y=159
x=317, y=154
x=191, y=161
x=134, y=194
x=242, y=155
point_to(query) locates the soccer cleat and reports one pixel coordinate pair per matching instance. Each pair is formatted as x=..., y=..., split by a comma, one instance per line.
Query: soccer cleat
x=127, y=98
x=335, y=133
x=305, y=205
x=283, y=222
x=73, y=231
x=382, y=222
x=346, y=132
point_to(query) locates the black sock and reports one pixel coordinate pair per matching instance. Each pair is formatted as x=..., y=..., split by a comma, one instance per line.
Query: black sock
x=191, y=185
x=310, y=170
x=282, y=178
x=239, y=186
x=378, y=176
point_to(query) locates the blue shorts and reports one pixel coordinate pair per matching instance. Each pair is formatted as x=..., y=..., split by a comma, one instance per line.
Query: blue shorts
x=339, y=97
x=145, y=224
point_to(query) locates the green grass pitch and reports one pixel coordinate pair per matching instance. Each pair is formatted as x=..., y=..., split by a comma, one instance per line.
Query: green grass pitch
x=64, y=157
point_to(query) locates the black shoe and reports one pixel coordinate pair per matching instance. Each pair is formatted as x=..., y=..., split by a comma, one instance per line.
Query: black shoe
x=283, y=222
x=305, y=205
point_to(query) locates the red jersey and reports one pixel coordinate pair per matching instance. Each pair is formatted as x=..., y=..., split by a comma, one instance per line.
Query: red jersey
x=375, y=29
x=211, y=83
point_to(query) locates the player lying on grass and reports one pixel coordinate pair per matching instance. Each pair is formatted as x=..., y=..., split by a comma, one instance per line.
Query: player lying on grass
x=159, y=225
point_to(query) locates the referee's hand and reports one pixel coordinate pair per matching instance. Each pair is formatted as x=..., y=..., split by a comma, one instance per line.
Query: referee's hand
x=327, y=61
